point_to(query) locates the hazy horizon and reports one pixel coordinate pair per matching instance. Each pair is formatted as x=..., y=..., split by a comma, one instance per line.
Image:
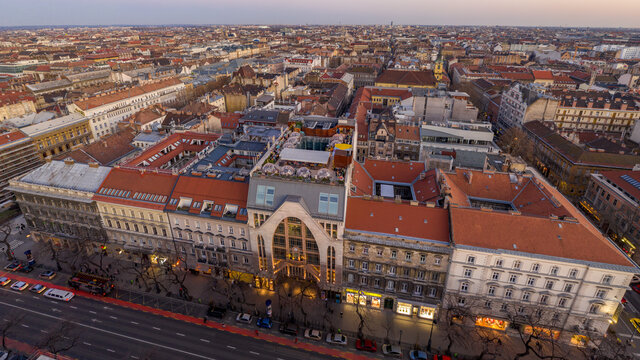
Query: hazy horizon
x=544, y=13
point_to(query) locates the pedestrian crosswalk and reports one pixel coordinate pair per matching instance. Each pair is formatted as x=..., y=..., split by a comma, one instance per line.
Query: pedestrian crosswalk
x=14, y=244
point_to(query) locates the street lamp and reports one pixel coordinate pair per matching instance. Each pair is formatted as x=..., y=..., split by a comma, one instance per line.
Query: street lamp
x=400, y=339
x=430, y=333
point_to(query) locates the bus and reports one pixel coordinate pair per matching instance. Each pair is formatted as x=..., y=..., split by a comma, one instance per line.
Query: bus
x=95, y=284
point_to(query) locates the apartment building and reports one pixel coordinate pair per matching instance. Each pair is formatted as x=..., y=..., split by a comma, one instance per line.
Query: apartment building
x=106, y=110
x=57, y=202
x=17, y=156
x=59, y=135
x=522, y=103
x=612, y=199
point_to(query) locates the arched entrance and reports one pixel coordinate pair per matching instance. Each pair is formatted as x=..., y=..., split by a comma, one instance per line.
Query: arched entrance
x=295, y=251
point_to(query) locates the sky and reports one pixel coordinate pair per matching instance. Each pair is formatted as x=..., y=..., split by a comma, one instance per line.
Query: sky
x=591, y=13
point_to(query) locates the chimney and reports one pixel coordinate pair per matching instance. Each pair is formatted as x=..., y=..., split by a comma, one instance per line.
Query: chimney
x=69, y=161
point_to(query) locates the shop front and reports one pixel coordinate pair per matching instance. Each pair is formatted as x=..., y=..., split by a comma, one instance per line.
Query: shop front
x=416, y=309
x=488, y=322
x=363, y=298
x=541, y=332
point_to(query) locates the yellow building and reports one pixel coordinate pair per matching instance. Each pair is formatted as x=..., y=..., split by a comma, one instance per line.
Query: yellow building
x=59, y=135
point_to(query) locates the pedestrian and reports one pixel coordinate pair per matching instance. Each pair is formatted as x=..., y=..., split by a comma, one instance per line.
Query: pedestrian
x=295, y=340
x=339, y=331
x=204, y=319
x=257, y=332
x=340, y=314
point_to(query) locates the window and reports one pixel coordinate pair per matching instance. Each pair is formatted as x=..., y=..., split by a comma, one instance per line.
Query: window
x=222, y=242
x=363, y=280
x=245, y=259
x=594, y=308
x=492, y=290
x=365, y=266
x=573, y=273
x=526, y=295
x=231, y=230
x=234, y=258
x=417, y=290
x=352, y=248
x=562, y=302
x=513, y=278
x=535, y=267
x=504, y=307
x=531, y=281
x=607, y=279
x=328, y=204
x=549, y=284
x=380, y=252
x=233, y=244
x=468, y=273
x=219, y=228
x=420, y=275
x=437, y=260
x=432, y=292
x=471, y=259
x=264, y=195
x=461, y=301
x=464, y=287
x=378, y=267
x=499, y=263
x=376, y=283
x=601, y=293
x=392, y=270
x=517, y=264
x=394, y=254
x=352, y=263
x=508, y=293
x=407, y=256
x=495, y=276
x=390, y=285
x=404, y=287
x=365, y=250
x=544, y=299
x=423, y=258
x=487, y=304
x=244, y=245
x=568, y=287
x=554, y=270
x=350, y=278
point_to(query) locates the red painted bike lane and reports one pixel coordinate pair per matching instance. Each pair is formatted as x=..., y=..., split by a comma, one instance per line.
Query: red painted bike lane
x=198, y=321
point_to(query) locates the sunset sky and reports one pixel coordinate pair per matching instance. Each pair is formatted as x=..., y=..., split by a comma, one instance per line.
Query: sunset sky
x=599, y=13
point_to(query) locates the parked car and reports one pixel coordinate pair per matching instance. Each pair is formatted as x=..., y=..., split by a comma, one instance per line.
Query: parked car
x=441, y=357
x=289, y=329
x=47, y=274
x=392, y=350
x=313, y=334
x=338, y=339
x=264, y=322
x=623, y=300
x=244, y=318
x=3, y=355
x=19, y=286
x=636, y=323
x=4, y=281
x=217, y=311
x=636, y=288
x=366, y=345
x=37, y=288
x=417, y=355
x=26, y=269
x=14, y=266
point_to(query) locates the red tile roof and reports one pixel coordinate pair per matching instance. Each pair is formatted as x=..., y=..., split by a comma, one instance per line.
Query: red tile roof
x=394, y=171
x=137, y=187
x=407, y=78
x=616, y=177
x=9, y=137
x=97, y=101
x=533, y=235
x=542, y=75
x=170, y=147
x=386, y=217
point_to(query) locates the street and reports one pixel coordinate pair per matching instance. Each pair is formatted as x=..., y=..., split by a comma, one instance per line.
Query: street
x=113, y=332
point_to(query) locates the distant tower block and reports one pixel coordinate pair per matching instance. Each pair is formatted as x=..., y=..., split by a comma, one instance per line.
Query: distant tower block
x=439, y=67
x=392, y=24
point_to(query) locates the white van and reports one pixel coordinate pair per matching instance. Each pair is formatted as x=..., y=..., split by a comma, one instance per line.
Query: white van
x=58, y=294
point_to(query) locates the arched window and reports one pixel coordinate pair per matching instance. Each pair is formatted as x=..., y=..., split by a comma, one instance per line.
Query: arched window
x=294, y=243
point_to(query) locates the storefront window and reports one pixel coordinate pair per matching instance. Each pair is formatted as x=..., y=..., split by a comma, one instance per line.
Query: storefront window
x=351, y=298
x=496, y=324
x=404, y=308
x=426, y=312
x=363, y=300
x=542, y=332
x=375, y=302
x=579, y=340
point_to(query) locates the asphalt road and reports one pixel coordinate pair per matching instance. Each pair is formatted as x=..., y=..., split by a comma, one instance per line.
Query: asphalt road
x=113, y=332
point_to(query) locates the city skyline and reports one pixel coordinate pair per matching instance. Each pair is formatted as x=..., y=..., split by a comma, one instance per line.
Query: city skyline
x=587, y=13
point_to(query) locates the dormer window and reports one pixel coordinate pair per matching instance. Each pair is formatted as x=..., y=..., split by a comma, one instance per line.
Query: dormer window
x=230, y=210
x=207, y=206
x=184, y=203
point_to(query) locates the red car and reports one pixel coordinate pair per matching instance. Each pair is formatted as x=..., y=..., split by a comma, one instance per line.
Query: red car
x=623, y=301
x=441, y=357
x=366, y=345
x=636, y=288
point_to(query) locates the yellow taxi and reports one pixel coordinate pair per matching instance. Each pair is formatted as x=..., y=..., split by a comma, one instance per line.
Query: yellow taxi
x=636, y=323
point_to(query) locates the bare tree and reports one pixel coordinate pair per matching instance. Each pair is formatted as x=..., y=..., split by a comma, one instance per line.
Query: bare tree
x=606, y=347
x=456, y=318
x=515, y=142
x=388, y=325
x=5, y=233
x=363, y=313
x=60, y=339
x=7, y=327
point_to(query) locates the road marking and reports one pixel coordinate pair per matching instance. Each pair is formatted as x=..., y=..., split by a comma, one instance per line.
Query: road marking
x=96, y=320
x=135, y=323
x=19, y=300
x=25, y=325
x=205, y=340
x=86, y=343
x=231, y=347
x=107, y=308
x=134, y=357
x=73, y=307
x=111, y=350
x=35, y=297
x=43, y=331
x=109, y=332
x=254, y=353
x=157, y=328
x=53, y=302
x=113, y=317
x=93, y=312
x=179, y=334
x=56, y=310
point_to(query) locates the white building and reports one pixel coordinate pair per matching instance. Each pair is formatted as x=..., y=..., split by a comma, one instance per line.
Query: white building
x=106, y=110
x=523, y=102
x=305, y=64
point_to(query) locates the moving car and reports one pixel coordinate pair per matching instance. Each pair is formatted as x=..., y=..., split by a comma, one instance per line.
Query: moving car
x=4, y=281
x=14, y=266
x=313, y=334
x=59, y=294
x=47, y=274
x=366, y=345
x=392, y=350
x=417, y=355
x=338, y=339
x=636, y=288
x=264, y=322
x=19, y=286
x=217, y=311
x=37, y=288
x=636, y=323
x=244, y=318
x=289, y=329
x=441, y=357
x=26, y=269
